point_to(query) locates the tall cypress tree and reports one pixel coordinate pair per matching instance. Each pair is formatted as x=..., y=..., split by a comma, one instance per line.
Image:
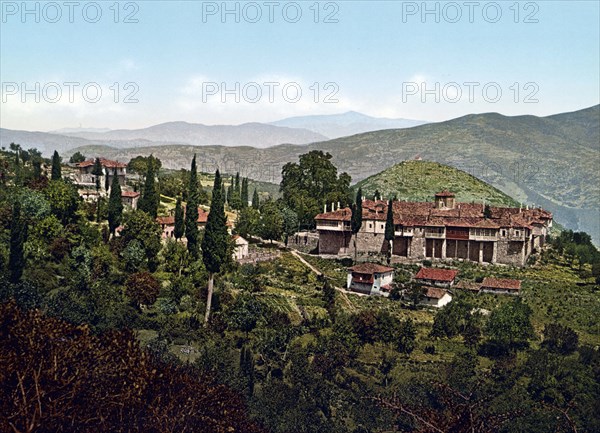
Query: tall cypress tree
x=244, y=194
x=97, y=172
x=179, y=220
x=56, y=170
x=191, y=212
x=150, y=199
x=356, y=220
x=216, y=240
x=230, y=193
x=115, y=204
x=18, y=235
x=255, y=200
x=389, y=229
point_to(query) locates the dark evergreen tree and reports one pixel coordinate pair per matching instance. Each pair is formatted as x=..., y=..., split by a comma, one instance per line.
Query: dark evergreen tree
x=179, y=230
x=230, y=193
x=56, y=172
x=389, y=229
x=487, y=212
x=150, y=199
x=97, y=172
x=115, y=204
x=191, y=212
x=18, y=235
x=216, y=240
x=377, y=195
x=37, y=168
x=356, y=219
x=244, y=193
x=255, y=200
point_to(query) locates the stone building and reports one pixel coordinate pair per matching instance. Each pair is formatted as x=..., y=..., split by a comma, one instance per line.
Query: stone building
x=85, y=179
x=442, y=229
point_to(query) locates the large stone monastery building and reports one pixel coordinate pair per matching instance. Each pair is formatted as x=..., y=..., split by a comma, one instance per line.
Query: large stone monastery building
x=443, y=229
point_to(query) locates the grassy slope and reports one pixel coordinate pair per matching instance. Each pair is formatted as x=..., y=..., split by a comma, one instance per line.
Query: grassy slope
x=420, y=180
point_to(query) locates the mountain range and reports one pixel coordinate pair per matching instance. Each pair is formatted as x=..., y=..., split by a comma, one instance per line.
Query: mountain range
x=547, y=161
x=349, y=123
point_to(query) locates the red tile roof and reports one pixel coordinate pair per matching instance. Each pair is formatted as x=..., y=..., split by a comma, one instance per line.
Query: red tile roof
x=445, y=193
x=425, y=214
x=131, y=194
x=436, y=274
x=501, y=283
x=170, y=220
x=434, y=292
x=370, y=268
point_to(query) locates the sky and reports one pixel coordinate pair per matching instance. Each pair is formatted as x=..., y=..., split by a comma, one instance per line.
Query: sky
x=133, y=64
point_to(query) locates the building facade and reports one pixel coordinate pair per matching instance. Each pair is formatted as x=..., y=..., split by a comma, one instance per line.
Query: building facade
x=442, y=229
x=370, y=279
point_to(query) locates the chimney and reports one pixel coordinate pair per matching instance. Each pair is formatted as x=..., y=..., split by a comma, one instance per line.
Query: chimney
x=325, y=208
x=332, y=206
x=339, y=207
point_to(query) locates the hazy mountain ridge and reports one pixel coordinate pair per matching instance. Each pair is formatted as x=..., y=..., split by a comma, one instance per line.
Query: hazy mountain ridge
x=248, y=134
x=349, y=123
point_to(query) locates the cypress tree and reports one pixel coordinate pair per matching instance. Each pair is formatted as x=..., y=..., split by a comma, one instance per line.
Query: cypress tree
x=179, y=220
x=255, y=200
x=18, y=235
x=56, y=170
x=389, y=229
x=115, y=204
x=216, y=240
x=37, y=168
x=149, y=200
x=191, y=212
x=230, y=200
x=238, y=189
x=356, y=220
x=244, y=193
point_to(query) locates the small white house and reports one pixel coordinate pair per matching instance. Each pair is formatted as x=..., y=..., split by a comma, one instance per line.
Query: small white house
x=435, y=297
x=370, y=279
x=240, y=250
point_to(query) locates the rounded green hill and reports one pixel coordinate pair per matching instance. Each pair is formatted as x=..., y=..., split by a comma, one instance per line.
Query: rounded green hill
x=420, y=180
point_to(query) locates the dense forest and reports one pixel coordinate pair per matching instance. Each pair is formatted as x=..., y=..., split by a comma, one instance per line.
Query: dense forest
x=105, y=326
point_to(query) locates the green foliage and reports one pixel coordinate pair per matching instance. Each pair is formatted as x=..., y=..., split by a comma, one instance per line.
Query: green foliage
x=255, y=200
x=216, y=239
x=142, y=227
x=312, y=183
x=191, y=212
x=179, y=228
x=76, y=157
x=510, y=326
x=64, y=200
x=139, y=164
x=56, y=172
x=271, y=224
x=115, y=205
x=244, y=193
x=150, y=198
x=290, y=222
x=357, y=212
x=248, y=222
x=389, y=222
x=18, y=236
x=560, y=339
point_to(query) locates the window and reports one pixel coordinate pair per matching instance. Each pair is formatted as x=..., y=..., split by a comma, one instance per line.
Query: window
x=370, y=225
x=503, y=232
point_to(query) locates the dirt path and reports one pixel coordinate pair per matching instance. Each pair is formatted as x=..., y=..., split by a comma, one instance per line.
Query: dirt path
x=343, y=292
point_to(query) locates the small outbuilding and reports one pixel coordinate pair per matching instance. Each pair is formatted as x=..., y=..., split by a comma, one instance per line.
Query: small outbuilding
x=436, y=277
x=370, y=278
x=435, y=297
x=240, y=251
x=505, y=286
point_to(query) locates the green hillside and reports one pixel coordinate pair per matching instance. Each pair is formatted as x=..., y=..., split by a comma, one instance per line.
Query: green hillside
x=420, y=180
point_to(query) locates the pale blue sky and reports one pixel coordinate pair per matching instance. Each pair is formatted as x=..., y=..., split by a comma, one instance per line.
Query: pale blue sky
x=379, y=57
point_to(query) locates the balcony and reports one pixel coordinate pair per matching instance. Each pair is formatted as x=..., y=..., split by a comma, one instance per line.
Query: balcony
x=435, y=234
x=333, y=226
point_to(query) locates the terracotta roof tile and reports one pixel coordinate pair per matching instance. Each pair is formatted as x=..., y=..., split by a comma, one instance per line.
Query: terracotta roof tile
x=501, y=283
x=436, y=274
x=434, y=292
x=370, y=268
